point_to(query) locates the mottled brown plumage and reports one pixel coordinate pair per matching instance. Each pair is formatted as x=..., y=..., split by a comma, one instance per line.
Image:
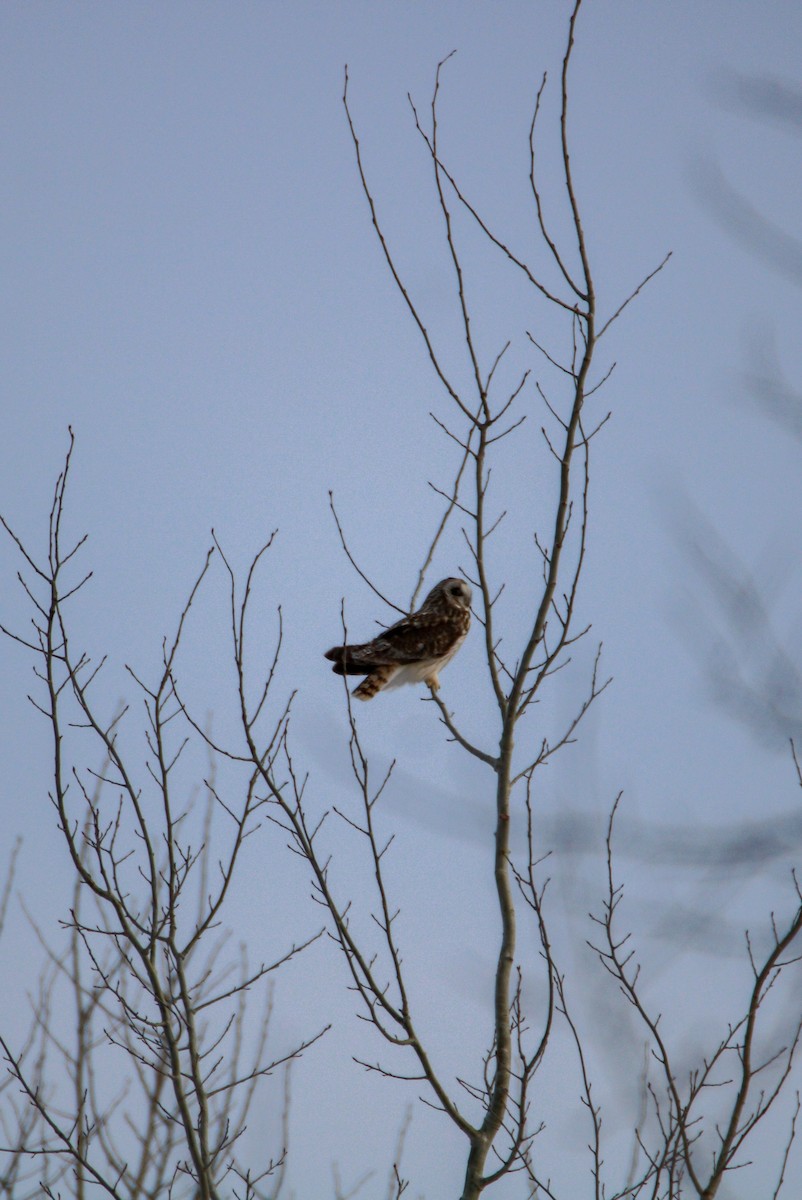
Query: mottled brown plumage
x=416, y=648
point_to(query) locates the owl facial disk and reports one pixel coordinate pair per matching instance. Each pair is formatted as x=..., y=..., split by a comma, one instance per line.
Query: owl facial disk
x=460, y=591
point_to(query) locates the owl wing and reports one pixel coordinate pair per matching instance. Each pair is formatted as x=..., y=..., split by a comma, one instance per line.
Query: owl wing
x=401, y=644
x=420, y=636
x=426, y=636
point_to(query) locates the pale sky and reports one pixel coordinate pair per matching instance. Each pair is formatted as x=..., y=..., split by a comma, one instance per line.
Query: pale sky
x=191, y=281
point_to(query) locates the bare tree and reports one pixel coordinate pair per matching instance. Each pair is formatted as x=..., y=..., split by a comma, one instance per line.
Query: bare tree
x=146, y=966
x=499, y=1139
x=755, y=674
x=158, y=995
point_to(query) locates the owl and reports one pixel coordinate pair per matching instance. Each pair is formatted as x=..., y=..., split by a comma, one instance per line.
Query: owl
x=413, y=650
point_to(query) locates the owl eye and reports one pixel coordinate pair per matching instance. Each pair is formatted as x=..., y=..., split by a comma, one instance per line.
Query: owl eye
x=456, y=590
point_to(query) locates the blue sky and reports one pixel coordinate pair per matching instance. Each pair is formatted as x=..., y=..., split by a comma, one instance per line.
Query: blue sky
x=190, y=280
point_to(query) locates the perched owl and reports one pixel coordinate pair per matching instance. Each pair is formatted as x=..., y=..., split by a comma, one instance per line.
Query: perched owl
x=413, y=650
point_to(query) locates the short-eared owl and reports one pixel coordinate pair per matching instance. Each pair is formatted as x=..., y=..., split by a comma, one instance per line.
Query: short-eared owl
x=413, y=650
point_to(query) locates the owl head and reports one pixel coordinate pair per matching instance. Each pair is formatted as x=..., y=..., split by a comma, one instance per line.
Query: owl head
x=448, y=593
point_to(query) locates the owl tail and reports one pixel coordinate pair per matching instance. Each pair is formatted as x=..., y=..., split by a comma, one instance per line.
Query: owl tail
x=372, y=684
x=346, y=661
